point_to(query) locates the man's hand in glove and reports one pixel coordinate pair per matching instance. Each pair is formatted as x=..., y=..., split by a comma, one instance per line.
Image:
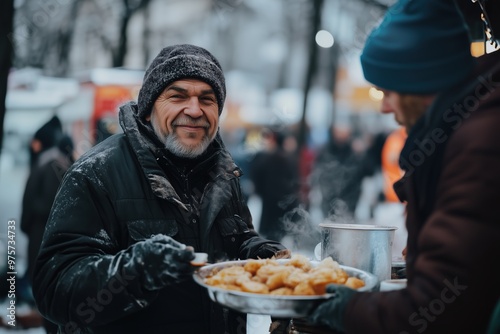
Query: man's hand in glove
x=162, y=261
x=331, y=313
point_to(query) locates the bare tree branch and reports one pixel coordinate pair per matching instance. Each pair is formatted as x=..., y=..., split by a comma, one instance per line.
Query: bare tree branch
x=130, y=8
x=66, y=33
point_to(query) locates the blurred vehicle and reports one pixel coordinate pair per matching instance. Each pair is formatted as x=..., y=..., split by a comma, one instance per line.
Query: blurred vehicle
x=111, y=87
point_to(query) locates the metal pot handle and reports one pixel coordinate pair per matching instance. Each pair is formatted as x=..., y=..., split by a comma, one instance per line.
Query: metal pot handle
x=317, y=252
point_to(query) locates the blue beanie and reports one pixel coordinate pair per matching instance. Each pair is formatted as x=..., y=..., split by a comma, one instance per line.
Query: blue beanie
x=421, y=47
x=177, y=62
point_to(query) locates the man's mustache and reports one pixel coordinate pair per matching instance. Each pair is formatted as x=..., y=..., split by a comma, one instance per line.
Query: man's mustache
x=191, y=122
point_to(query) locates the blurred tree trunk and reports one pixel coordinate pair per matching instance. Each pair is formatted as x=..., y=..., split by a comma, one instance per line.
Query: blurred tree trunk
x=121, y=50
x=292, y=30
x=146, y=37
x=6, y=49
x=311, y=70
x=130, y=8
x=66, y=37
x=305, y=156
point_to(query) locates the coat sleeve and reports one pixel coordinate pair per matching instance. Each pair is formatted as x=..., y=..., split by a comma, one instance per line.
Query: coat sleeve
x=452, y=282
x=82, y=279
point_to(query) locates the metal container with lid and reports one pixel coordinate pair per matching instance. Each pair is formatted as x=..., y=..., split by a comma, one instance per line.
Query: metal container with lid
x=366, y=247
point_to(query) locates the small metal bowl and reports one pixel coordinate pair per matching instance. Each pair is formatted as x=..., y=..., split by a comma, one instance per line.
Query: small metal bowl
x=200, y=259
x=273, y=305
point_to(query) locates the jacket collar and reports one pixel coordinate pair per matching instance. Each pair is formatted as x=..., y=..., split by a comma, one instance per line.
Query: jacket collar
x=147, y=148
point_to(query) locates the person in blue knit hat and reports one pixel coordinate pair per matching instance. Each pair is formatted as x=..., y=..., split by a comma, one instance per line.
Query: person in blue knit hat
x=449, y=102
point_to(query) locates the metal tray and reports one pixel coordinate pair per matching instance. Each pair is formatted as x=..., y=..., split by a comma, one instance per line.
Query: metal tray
x=276, y=306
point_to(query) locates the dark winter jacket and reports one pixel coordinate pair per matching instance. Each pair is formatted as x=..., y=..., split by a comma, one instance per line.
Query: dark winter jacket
x=119, y=193
x=40, y=191
x=275, y=176
x=451, y=186
x=338, y=174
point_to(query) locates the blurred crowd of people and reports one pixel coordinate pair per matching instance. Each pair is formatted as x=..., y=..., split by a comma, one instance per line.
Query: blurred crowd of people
x=291, y=182
x=274, y=170
x=51, y=154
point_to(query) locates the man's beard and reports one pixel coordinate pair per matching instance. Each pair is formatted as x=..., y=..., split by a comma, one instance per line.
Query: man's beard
x=174, y=145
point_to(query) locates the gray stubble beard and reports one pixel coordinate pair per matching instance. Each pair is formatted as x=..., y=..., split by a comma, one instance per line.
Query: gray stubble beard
x=173, y=144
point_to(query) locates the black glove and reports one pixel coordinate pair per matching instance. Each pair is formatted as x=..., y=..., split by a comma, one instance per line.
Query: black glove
x=331, y=313
x=259, y=248
x=161, y=261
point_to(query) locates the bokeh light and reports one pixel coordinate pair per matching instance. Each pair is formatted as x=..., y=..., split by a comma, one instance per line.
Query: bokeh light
x=324, y=39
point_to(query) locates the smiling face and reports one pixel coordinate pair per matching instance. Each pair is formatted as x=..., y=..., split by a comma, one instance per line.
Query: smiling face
x=407, y=109
x=186, y=117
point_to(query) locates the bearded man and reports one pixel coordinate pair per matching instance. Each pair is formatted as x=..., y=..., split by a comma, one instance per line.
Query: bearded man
x=131, y=211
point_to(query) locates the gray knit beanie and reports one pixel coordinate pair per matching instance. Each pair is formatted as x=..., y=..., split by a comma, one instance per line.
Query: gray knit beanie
x=180, y=62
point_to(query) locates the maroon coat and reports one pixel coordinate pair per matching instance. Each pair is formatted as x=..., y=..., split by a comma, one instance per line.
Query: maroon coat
x=452, y=190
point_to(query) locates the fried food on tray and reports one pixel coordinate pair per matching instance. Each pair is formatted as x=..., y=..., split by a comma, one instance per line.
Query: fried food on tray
x=296, y=277
x=277, y=280
x=253, y=265
x=269, y=270
x=301, y=262
x=284, y=291
x=254, y=287
x=228, y=276
x=354, y=283
x=305, y=289
x=230, y=287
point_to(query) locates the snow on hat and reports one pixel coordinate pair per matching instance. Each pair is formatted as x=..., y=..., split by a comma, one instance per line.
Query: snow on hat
x=421, y=47
x=180, y=62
